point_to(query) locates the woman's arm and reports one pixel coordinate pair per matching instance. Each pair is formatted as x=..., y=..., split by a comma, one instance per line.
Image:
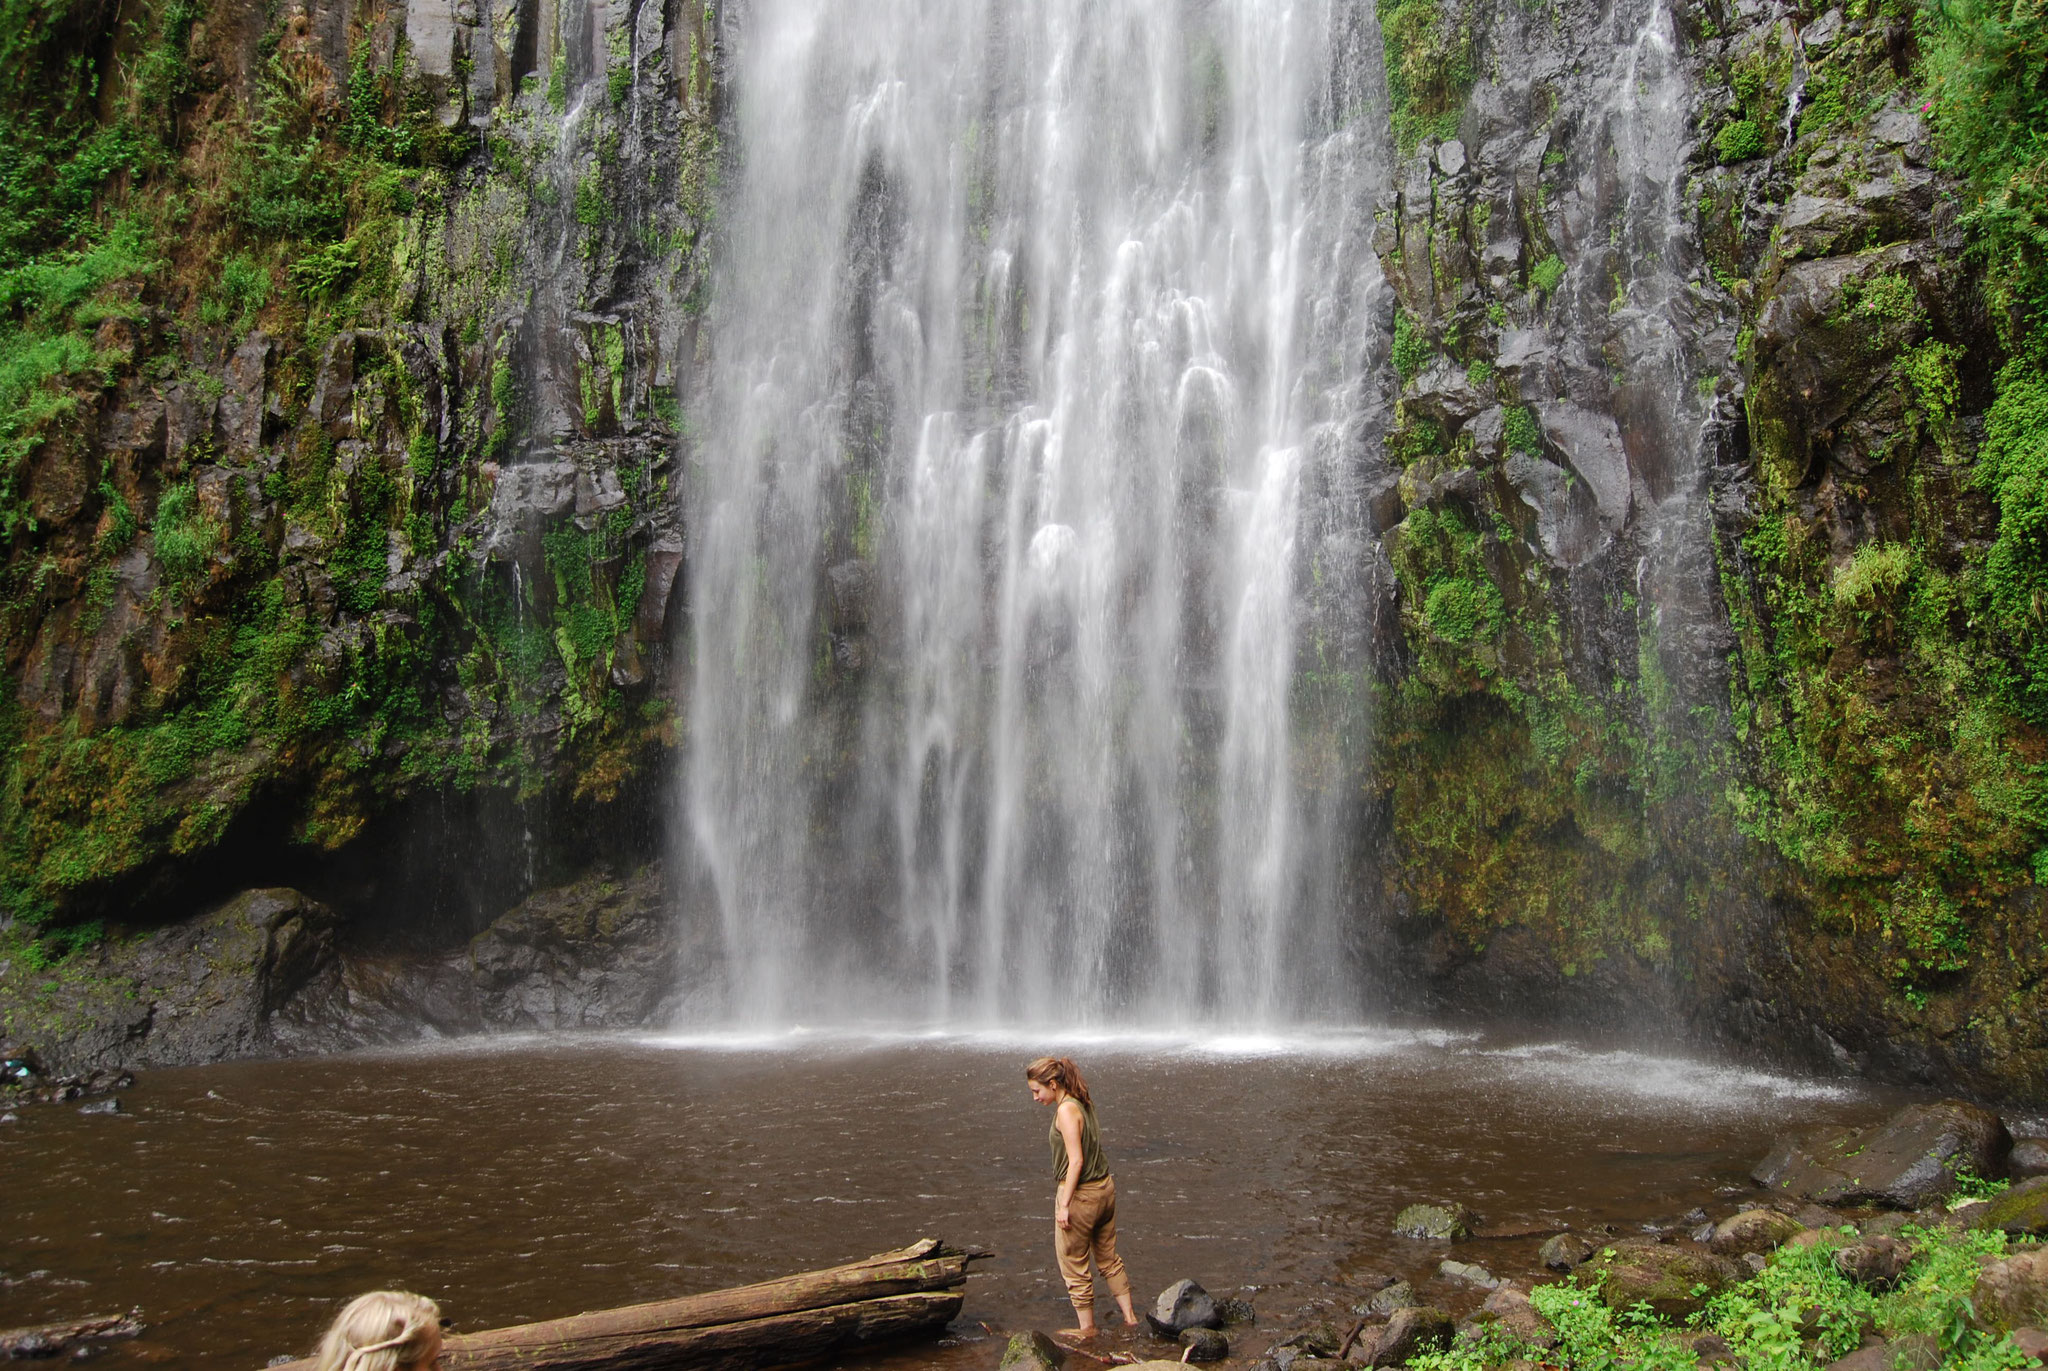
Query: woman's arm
x=1068, y=1116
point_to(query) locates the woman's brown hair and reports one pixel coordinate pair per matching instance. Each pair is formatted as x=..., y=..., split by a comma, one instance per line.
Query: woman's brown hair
x=1061, y=1074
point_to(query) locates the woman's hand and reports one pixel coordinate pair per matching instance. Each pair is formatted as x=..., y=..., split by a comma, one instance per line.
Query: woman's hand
x=1061, y=1216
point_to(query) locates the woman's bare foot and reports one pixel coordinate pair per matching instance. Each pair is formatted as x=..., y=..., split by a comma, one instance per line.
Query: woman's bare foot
x=1084, y=1331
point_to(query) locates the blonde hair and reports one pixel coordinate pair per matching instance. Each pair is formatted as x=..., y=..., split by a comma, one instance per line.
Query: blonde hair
x=385, y=1330
x=1062, y=1075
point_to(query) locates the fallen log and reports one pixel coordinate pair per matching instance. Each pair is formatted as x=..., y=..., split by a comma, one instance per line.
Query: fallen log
x=58, y=1339
x=786, y=1322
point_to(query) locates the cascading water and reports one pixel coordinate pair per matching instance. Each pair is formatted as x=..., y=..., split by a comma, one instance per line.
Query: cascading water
x=1045, y=340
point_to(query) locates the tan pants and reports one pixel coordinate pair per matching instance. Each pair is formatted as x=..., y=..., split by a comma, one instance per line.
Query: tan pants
x=1091, y=1232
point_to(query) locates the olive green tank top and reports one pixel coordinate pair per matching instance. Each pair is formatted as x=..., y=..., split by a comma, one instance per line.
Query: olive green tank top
x=1094, y=1165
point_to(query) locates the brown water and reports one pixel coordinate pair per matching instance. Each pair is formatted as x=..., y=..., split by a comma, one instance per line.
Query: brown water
x=523, y=1180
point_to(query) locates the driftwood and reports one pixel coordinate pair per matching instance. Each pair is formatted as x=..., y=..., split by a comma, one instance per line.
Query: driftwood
x=785, y=1322
x=56, y=1339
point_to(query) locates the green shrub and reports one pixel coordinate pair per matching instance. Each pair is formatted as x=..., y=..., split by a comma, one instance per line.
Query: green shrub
x=1429, y=70
x=242, y=290
x=1520, y=431
x=1547, y=274
x=1463, y=610
x=1412, y=348
x=1874, y=573
x=1739, y=140
x=185, y=538
x=2013, y=467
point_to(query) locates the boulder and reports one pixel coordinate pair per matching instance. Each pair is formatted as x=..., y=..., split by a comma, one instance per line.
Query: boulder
x=1753, y=1230
x=1671, y=1280
x=1468, y=1274
x=1434, y=1222
x=1203, y=1344
x=2022, y=1210
x=1710, y=1348
x=2032, y=1341
x=1914, y=1352
x=1181, y=1306
x=1032, y=1351
x=2013, y=1292
x=1567, y=1250
x=1383, y=1302
x=1909, y=1161
x=2029, y=1157
x=1419, y=1328
x=1514, y=1314
x=1876, y=1263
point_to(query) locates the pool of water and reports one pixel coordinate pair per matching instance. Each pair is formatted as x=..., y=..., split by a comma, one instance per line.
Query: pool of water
x=524, y=1179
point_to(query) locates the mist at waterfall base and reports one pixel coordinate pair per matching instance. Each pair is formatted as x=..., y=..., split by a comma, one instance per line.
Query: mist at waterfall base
x=237, y=1205
x=1036, y=606
x=1025, y=588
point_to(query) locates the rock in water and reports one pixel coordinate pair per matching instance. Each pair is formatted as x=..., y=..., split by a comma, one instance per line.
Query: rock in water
x=1032, y=1351
x=1203, y=1344
x=2021, y=1211
x=1181, y=1306
x=1910, y=1161
x=1423, y=1328
x=1382, y=1303
x=1671, y=1280
x=1566, y=1251
x=1434, y=1222
x=1469, y=1274
x=1874, y=1262
x=1753, y=1230
x=110, y=1105
x=1236, y=1311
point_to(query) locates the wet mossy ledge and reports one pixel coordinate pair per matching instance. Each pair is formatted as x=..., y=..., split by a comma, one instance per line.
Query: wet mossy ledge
x=1772, y=776
x=285, y=290
x=347, y=349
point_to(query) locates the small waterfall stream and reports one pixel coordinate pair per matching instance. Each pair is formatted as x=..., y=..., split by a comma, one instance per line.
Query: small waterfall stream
x=1044, y=341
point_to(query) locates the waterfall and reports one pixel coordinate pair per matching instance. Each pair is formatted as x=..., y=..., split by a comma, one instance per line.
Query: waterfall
x=1044, y=340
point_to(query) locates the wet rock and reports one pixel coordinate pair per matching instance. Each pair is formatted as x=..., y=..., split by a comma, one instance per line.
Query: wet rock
x=1468, y=1274
x=1181, y=1306
x=1032, y=1351
x=10, y=1117
x=1203, y=1344
x=2029, y=1157
x=1434, y=1222
x=2021, y=1211
x=1909, y=1161
x=110, y=1105
x=1382, y=1303
x=1423, y=1328
x=1235, y=1310
x=1566, y=1251
x=2032, y=1341
x=1753, y=1230
x=2013, y=1292
x=1914, y=1352
x=1308, y=1349
x=1591, y=443
x=1512, y=1311
x=204, y=990
x=1671, y=1280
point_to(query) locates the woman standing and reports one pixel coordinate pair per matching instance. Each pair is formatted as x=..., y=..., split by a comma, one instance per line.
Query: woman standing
x=1084, y=1209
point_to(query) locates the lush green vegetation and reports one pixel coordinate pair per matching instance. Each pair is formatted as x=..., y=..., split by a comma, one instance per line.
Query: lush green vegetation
x=1800, y=1312
x=1429, y=68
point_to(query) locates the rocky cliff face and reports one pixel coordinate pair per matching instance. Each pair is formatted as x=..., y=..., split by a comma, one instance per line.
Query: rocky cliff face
x=348, y=352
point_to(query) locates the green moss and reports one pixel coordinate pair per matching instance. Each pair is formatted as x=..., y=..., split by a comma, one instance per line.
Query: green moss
x=1740, y=140
x=1429, y=70
x=1412, y=347
x=1520, y=432
x=1547, y=274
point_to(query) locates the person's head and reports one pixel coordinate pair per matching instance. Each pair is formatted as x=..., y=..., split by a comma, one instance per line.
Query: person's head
x=385, y=1330
x=1053, y=1078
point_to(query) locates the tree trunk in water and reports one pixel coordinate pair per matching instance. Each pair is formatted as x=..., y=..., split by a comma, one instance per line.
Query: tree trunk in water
x=783, y=1322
